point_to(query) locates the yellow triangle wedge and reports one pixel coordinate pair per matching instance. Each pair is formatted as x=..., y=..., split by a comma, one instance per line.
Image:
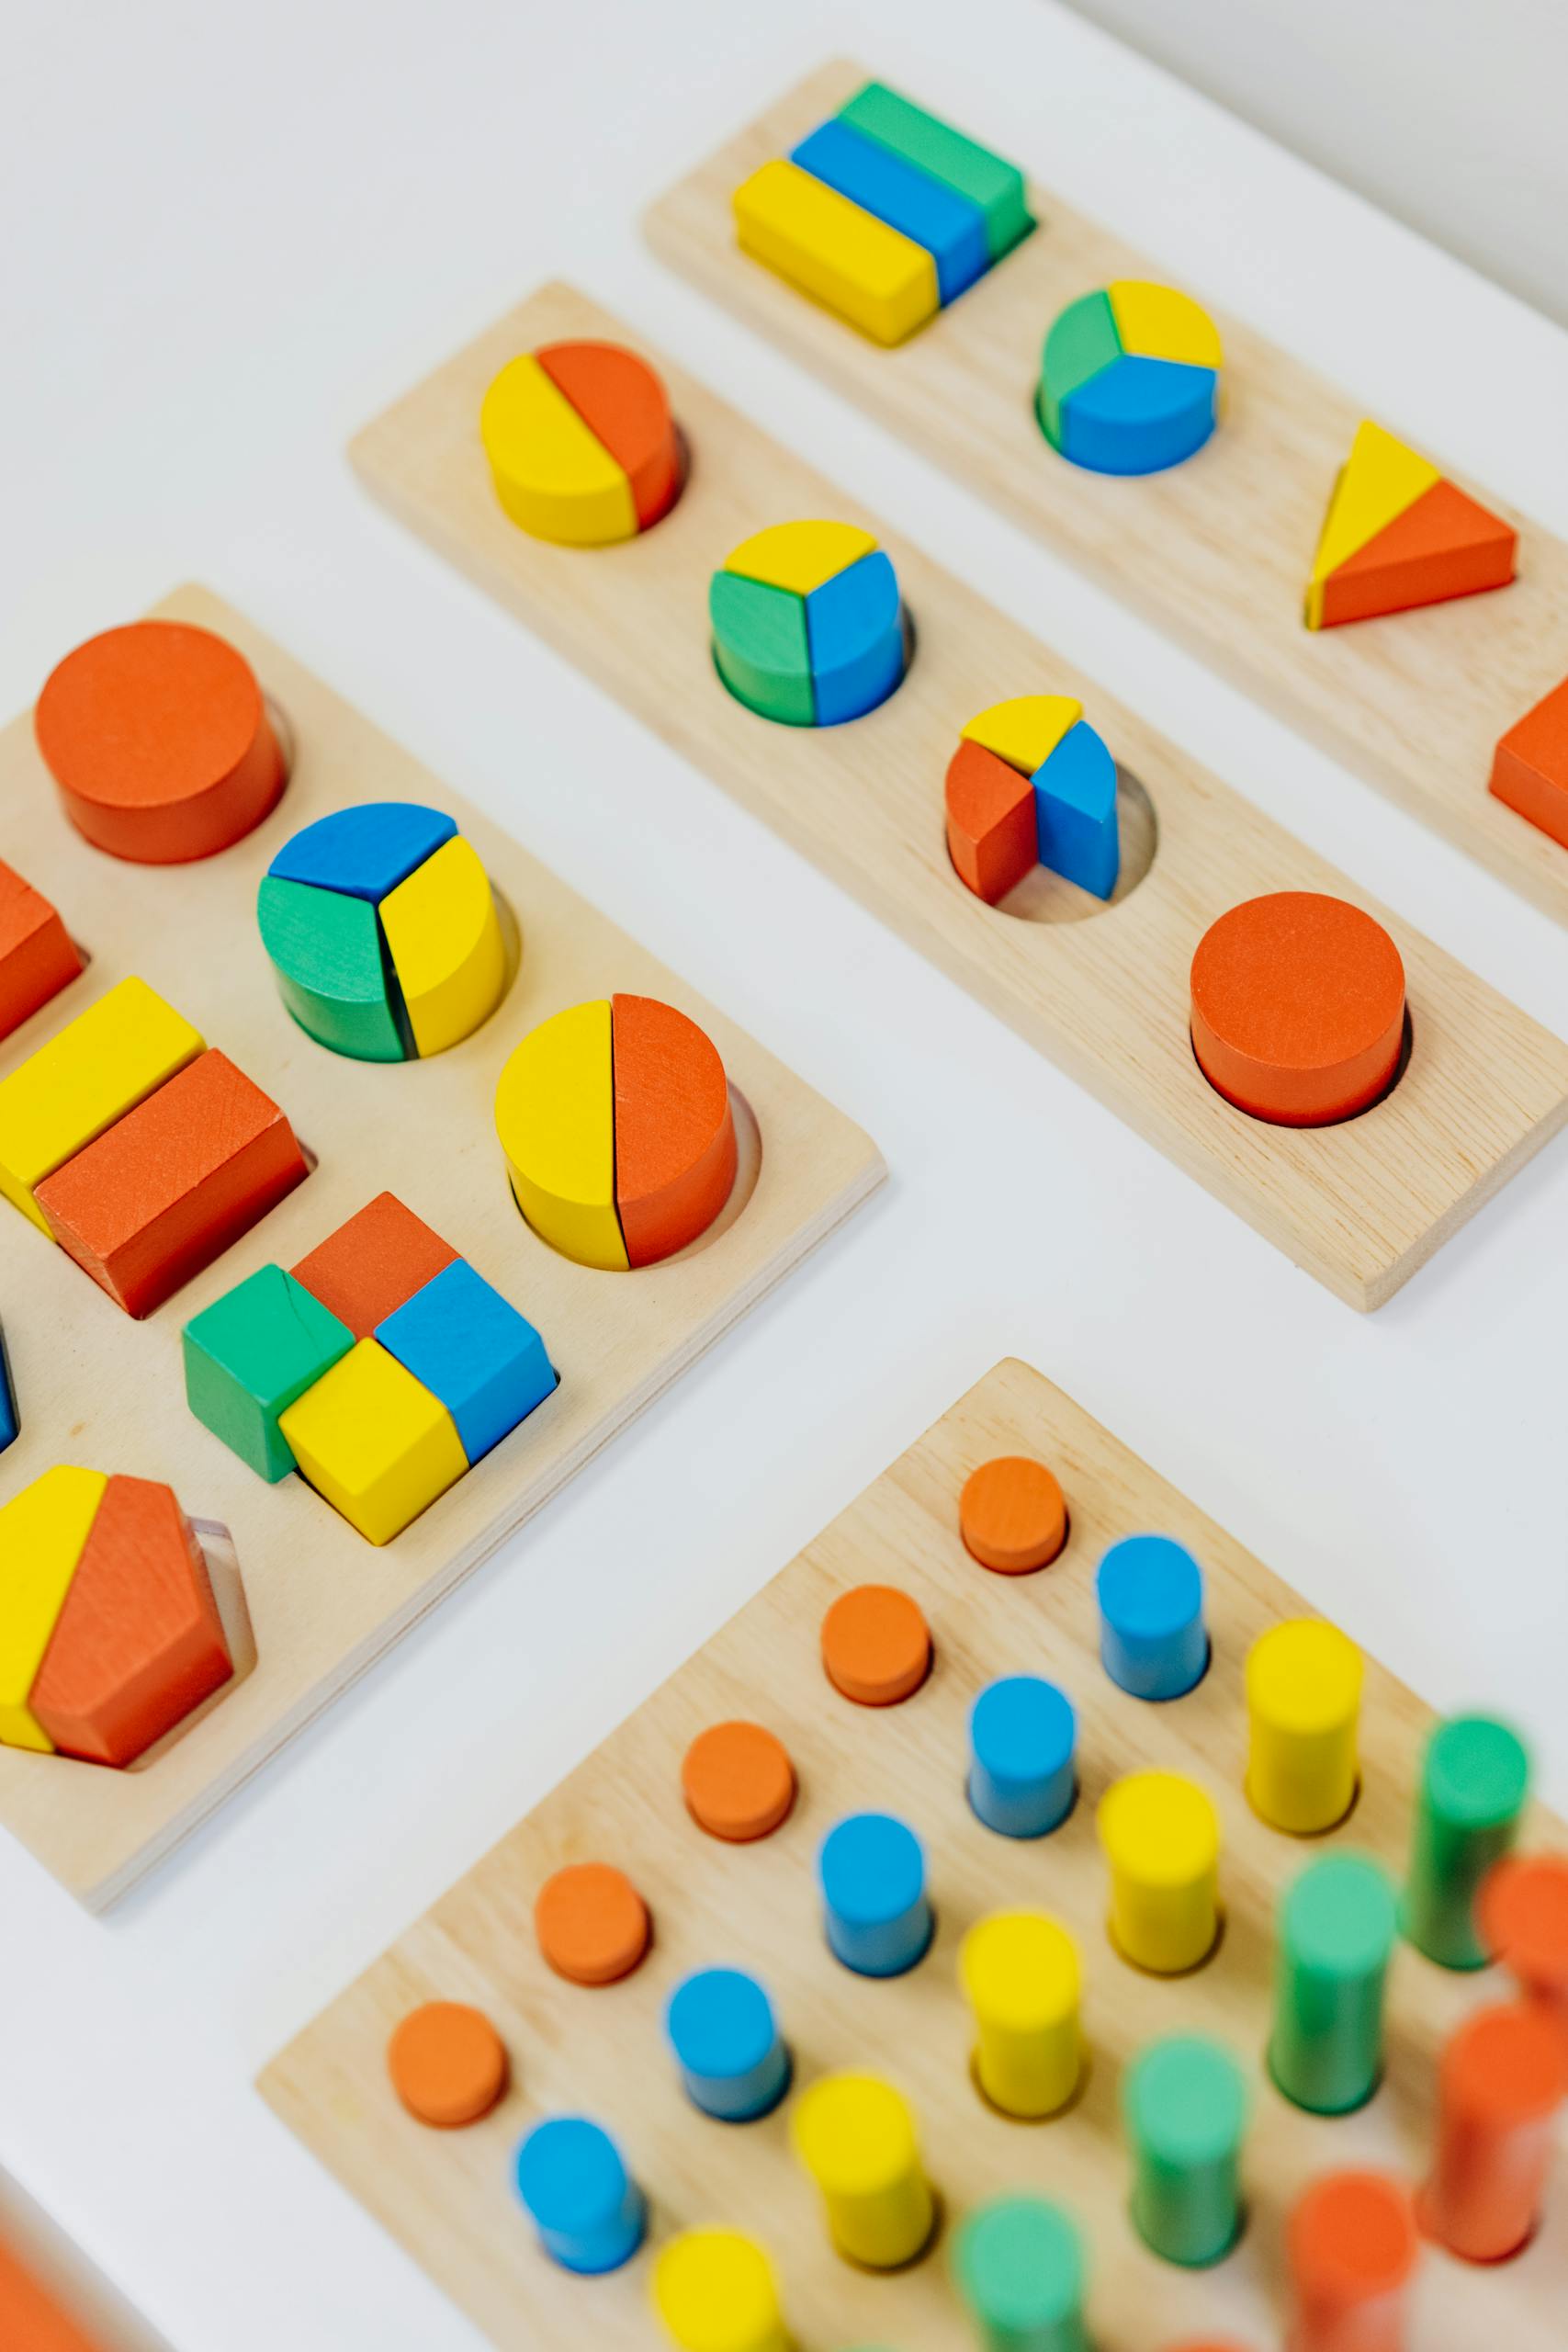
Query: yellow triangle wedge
x=1379, y=480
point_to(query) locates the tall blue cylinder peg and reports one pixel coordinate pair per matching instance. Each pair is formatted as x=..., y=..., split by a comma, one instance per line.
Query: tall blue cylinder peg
x=1022, y=1732
x=875, y=1910
x=732, y=2060
x=588, y=2211
x=1152, y=1639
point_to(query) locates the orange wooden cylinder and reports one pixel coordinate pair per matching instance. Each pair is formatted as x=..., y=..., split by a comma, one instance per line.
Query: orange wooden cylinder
x=1503, y=2077
x=1351, y=2245
x=1523, y=1915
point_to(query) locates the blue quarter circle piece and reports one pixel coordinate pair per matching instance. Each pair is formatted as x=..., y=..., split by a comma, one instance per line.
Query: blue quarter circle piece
x=364, y=851
x=855, y=629
x=1139, y=415
x=922, y=208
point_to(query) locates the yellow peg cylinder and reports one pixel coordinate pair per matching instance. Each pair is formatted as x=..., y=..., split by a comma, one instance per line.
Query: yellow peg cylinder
x=1161, y=1836
x=855, y=2135
x=713, y=2291
x=1020, y=1976
x=1304, y=1702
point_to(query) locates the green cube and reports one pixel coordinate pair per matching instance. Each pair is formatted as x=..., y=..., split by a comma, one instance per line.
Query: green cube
x=251, y=1355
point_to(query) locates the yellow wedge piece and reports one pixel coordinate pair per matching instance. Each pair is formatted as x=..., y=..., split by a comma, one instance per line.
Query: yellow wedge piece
x=445, y=940
x=98, y=1067
x=1379, y=480
x=1026, y=730
x=555, y=1113
x=799, y=556
x=42, y=1531
x=552, y=475
x=1159, y=322
x=878, y=279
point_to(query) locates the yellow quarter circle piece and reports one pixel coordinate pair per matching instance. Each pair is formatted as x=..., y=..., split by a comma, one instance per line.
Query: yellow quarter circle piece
x=1021, y=1978
x=844, y=257
x=1026, y=730
x=98, y=1067
x=42, y=1531
x=374, y=1442
x=1379, y=480
x=443, y=937
x=555, y=1113
x=800, y=556
x=1303, y=1703
x=715, y=2291
x=1160, y=323
x=552, y=475
x=855, y=2135
x=1161, y=1836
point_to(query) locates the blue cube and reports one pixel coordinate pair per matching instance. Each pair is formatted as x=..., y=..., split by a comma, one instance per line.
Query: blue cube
x=472, y=1350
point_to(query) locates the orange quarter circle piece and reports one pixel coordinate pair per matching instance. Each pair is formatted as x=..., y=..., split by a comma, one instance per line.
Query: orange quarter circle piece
x=447, y=2063
x=675, y=1148
x=159, y=740
x=592, y=1924
x=876, y=1645
x=738, y=1781
x=1012, y=1515
x=1298, y=1008
x=624, y=405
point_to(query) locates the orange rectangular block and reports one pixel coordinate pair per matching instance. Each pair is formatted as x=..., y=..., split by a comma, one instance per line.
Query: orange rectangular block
x=139, y=1642
x=167, y=1188
x=38, y=956
x=1530, y=767
x=373, y=1264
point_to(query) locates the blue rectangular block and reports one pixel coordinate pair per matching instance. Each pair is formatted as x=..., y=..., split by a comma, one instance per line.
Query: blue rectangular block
x=473, y=1351
x=952, y=230
x=1075, y=809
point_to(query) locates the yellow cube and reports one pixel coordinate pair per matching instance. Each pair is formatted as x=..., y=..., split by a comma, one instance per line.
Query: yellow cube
x=375, y=1441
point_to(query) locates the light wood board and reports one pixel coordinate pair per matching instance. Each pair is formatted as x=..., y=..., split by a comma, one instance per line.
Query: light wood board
x=447, y=2196
x=1216, y=550
x=96, y=1387
x=1360, y=1205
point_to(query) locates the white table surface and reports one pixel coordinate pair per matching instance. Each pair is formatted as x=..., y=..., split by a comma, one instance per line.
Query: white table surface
x=242, y=231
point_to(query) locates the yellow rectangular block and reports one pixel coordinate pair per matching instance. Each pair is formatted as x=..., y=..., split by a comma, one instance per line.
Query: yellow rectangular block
x=878, y=279
x=99, y=1066
x=42, y=1531
x=375, y=1441
x=443, y=937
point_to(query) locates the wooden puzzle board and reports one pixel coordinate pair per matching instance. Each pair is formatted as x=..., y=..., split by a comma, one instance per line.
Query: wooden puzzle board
x=96, y=1387
x=1216, y=550
x=447, y=2196
x=1360, y=1205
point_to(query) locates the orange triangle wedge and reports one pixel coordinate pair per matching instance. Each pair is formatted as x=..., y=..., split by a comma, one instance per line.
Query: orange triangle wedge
x=1398, y=534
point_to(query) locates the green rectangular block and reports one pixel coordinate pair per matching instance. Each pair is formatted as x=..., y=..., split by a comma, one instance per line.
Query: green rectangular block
x=969, y=169
x=252, y=1354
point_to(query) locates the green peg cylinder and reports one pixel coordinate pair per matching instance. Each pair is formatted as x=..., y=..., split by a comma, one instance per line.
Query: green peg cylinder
x=1475, y=1782
x=1019, y=2266
x=1184, y=2106
x=1336, y=1928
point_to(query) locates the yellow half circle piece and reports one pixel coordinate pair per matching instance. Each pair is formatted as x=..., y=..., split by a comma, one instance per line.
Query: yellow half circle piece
x=1026, y=730
x=1379, y=480
x=799, y=556
x=552, y=475
x=1161, y=323
x=443, y=937
x=555, y=1113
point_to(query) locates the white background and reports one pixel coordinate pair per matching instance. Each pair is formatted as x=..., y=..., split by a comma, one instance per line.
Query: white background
x=1449, y=112
x=232, y=235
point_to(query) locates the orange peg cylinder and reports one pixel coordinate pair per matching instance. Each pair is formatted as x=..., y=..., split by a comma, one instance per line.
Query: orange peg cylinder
x=1351, y=2244
x=1504, y=2075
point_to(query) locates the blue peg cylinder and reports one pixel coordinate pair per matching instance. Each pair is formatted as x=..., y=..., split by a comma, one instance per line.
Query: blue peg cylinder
x=732, y=2061
x=875, y=1911
x=1021, y=1736
x=588, y=2211
x=1153, y=1640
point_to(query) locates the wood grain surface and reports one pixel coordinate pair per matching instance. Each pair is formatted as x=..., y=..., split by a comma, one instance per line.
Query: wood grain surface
x=97, y=1388
x=447, y=2197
